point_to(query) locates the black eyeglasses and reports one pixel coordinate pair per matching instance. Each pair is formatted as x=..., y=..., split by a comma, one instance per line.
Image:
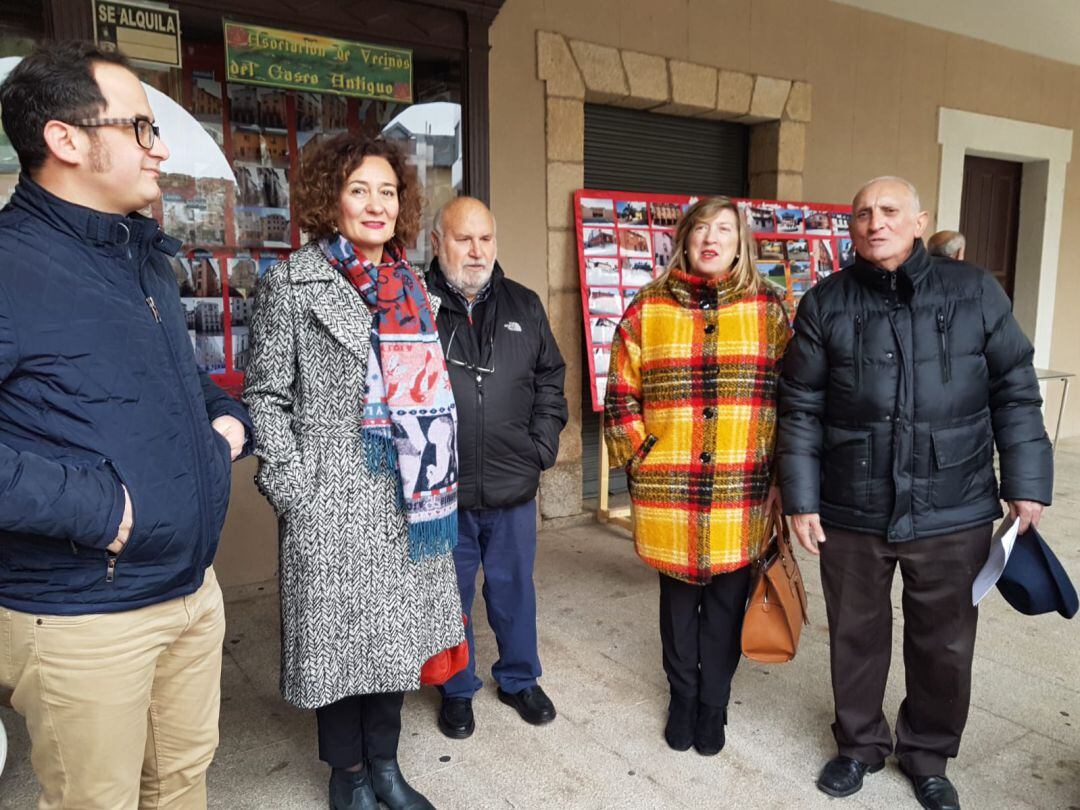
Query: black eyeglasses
x=470, y=366
x=146, y=132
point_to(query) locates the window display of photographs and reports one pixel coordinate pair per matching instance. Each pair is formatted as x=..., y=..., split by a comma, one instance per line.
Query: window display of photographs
x=817, y=222
x=634, y=242
x=841, y=222
x=243, y=104
x=597, y=211
x=263, y=227
x=636, y=273
x=847, y=253
x=206, y=105
x=799, y=286
x=193, y=210
x=662, y=243
x=599, y=242
x=631, y=213
x=789, y=220
x=242, y=276
x=185, y=279
x=602, y=330
x=268, y=260
x=206, y=330
x=601, y=360
x=628, y=295
x=798, y=250
x=248, y=188
x=771, y=250
x=271, y=108
x=599, y=272
x=665, y=214
x=605, y=301
x=600, y=386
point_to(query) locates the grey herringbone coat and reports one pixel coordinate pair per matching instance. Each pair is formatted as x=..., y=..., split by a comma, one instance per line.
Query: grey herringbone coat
x=357, y=616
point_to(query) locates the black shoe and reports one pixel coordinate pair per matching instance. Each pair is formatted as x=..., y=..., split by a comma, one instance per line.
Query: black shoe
x=532, y=704
x=843, y=776
x=456, y=718
x=391, y=788
x=351, y=791
x=709, y=730
x=934, y=792
x=682, y=714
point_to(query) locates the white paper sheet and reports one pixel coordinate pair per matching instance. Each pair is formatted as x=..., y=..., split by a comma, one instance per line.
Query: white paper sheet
x=1001, y=546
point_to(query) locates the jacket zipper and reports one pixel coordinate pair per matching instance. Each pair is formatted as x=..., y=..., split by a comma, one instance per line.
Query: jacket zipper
x=110, y=558
x=858, y=351
x=943, y=333
x=204, y=500
x=480, y=441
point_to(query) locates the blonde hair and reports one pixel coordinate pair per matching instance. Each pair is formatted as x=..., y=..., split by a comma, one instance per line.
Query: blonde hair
x=743, y=273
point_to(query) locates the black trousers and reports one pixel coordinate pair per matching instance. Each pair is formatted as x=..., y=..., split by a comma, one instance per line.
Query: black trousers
x=701, y=634
x=358, y=728
x=939, y=642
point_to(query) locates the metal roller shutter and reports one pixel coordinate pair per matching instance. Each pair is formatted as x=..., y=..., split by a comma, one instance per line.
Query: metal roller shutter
x=631, y=150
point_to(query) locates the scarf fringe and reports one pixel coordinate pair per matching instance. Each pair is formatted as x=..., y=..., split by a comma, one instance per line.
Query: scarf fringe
x=433, y=538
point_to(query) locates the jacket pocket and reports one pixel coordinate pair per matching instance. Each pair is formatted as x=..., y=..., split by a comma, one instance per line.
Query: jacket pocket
x=943, y=337
x=858, y=351
x=962, y=461
x=636, y=460
x=845, y=468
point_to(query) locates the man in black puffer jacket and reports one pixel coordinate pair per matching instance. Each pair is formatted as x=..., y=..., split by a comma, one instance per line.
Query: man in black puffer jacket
x=904, y=371
x=507, y=375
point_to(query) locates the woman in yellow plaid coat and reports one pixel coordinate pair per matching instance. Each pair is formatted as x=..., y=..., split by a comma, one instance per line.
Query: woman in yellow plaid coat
x=690, y=413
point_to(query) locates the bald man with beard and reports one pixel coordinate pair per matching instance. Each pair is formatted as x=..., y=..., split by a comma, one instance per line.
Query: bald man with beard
x=904, y=370
x=507, y=375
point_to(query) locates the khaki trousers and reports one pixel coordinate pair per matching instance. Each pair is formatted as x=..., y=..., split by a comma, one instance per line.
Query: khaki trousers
x=122, y=708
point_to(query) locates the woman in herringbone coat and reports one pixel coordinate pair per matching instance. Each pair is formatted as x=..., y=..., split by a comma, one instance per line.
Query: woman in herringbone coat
x=690, y=412
x=355, y=432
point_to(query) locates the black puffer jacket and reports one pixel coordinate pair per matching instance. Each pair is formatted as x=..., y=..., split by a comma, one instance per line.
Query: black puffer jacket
x=893, y=388
x=510, y=417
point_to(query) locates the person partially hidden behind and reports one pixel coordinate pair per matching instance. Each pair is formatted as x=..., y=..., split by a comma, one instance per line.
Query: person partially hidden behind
x=115, y=453
x=903, y=370
x=947, y=244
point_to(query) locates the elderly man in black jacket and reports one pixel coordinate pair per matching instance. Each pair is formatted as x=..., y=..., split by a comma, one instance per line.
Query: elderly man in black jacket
x=904, y=371
x=507, y=375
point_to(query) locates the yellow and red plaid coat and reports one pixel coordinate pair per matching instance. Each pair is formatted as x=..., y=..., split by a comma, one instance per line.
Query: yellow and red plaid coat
x=690, y=412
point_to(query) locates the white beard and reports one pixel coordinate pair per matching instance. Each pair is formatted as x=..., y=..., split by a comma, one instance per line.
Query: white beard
x=468, y=284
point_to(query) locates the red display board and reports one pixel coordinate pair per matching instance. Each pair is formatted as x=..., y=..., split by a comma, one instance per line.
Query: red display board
x=625, y=241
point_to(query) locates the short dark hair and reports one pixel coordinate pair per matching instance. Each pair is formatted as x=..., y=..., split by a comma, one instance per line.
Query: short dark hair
x=55, y=82
x=325, y=169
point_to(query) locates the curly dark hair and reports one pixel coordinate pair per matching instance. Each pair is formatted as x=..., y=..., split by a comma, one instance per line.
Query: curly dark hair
x=322, y=177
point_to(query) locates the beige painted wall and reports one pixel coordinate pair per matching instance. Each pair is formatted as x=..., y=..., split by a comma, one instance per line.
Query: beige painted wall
x=877, y=85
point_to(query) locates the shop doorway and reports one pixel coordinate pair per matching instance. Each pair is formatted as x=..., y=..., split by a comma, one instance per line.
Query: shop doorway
x=990, y=215
x=633, y=150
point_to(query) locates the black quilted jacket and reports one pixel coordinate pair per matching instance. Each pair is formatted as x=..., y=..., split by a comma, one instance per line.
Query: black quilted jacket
x=894, y=386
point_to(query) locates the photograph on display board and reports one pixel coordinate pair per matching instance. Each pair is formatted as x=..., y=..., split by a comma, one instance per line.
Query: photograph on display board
x=243, y=272
x=841, y=222
x=206, y=105
x=605, y=301
x=602, y=330
x=798, y=250
x=243, y=104
x=271, y=102
x=268, y=260
x=775, y=271
x=631, y=213
x=800, y=270
x=847, y=253
x=636, y=273
x=601, y=360
x=662, y=246
x=601, y=272
x=817, y=222
x=599, y=242
x=760, y=219
x=772, y=250
x=634, y=242
x=628, y=296
x=600, y=387
x=597, y=211
x=799, y=286
x=665, y=214
x=789, y=220
x=825, y=262
x=185, y=278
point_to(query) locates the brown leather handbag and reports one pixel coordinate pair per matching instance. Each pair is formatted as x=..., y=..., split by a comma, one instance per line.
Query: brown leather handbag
x=776, y=609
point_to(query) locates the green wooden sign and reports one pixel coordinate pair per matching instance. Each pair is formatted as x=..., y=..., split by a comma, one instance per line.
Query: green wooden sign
x=271, y=57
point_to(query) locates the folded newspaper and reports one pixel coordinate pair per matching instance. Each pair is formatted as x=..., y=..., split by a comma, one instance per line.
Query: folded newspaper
x=1001, y=546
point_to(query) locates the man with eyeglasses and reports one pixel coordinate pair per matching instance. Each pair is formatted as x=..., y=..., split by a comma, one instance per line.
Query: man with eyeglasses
x=115, y=453
x=507, y=375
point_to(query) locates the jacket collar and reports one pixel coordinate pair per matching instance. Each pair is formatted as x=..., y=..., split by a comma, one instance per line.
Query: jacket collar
x=90, y=226
x=908, y=275
x=698, y=292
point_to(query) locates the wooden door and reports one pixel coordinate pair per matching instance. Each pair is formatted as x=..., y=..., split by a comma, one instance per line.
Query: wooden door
x=990, y=215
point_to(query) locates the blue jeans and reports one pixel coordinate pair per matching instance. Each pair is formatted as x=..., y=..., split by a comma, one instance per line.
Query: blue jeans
x=504, y=542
